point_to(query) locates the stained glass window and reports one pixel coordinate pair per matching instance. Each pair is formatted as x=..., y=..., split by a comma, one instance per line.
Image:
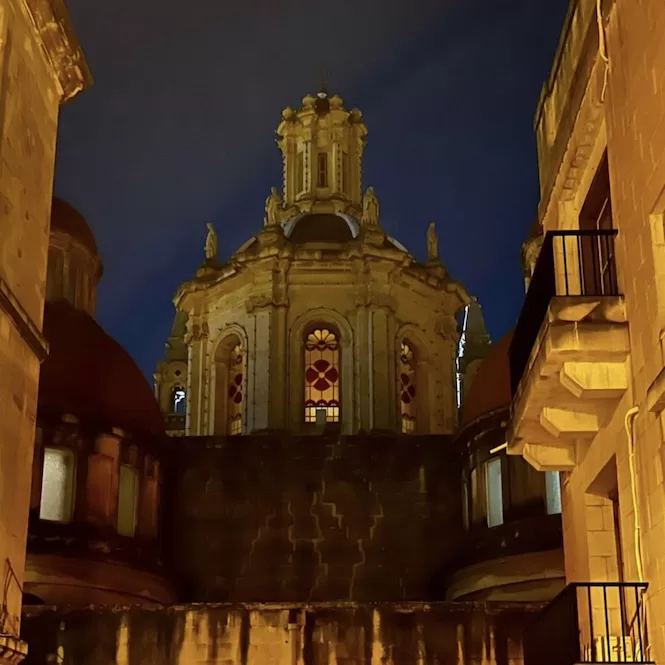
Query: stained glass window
x=236, y=384
x=321, y=375
x=407, y=389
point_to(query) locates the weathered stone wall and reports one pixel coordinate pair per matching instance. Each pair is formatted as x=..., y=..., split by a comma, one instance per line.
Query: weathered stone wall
x=280, y=634
x=315, y=518
x=31, y=88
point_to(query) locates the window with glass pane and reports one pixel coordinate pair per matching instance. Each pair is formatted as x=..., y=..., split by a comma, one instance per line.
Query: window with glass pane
x=553, y=492
x=321, y=375
x=407, y=388
x=494, y=492
x=128, y=494
x=57, y=499
x=235, y=393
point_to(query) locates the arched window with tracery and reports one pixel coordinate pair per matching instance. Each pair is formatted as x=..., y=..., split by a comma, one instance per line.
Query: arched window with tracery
x=178, y=401
x=322, y=375
x=230, y=382
x=236, y=397
x=407, y=388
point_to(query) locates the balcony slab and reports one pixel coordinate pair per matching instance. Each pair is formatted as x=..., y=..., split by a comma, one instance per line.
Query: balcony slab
x=574, y=379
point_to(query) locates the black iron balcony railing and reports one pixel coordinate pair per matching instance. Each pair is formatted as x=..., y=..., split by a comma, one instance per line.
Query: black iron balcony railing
x=587, y=267
x=594, y=622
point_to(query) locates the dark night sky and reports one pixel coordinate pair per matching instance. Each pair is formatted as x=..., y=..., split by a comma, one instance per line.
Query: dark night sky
x=179, y=130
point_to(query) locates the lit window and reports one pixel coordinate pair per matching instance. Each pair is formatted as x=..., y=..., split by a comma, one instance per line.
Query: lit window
x=553, y=492
x=300, y=172
x=321, y=375
x=178, y=401
x=322, y=178
x=235, y=393
x=128, y=494
x=57, y=500
x=407, y=389
x=494, y=492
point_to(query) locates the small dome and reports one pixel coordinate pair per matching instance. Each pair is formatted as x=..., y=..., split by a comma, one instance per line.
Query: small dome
x=321, y=227
x=67, y=219
x=490, y=389
x=89, y=375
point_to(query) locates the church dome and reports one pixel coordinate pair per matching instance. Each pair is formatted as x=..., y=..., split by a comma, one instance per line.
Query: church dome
x=322, y=227
x=89, y=375
x=490, y=389
x=67, y=219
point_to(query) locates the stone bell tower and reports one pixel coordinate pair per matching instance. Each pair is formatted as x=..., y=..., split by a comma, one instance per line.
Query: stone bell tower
x=322, y=145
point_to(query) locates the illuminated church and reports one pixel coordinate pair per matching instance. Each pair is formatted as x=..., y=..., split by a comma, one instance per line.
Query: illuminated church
x=336, y=458
x=320, y=317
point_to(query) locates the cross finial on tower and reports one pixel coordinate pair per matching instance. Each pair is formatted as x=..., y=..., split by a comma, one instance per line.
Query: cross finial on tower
x=324, y=80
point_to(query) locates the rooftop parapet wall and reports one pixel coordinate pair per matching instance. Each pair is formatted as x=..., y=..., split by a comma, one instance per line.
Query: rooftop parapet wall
x=314, y=518
x=280, y=634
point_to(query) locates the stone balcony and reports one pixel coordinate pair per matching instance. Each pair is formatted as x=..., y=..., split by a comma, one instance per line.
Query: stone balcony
x=568, y=355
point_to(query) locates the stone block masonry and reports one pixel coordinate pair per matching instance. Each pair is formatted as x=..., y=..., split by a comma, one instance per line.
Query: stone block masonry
x=315, y=518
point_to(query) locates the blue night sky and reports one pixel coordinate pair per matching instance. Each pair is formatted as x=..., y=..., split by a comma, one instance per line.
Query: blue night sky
x=179, y=130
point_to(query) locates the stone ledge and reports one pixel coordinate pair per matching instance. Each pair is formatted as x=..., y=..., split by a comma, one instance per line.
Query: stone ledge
x=12, y=650
x=51, y=22
x=20, y=318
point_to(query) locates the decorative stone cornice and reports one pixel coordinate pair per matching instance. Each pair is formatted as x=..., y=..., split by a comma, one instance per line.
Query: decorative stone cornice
x=198, y=331
x=51, y=22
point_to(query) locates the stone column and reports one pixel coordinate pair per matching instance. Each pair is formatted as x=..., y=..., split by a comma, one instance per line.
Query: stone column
x=278, y=415
x=197, y=371
x=384, y=386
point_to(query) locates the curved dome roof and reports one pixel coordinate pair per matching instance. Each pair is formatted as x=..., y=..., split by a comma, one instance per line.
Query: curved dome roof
x=67, y=219
x=321, y=227
x=89, y=375
x=490, y=389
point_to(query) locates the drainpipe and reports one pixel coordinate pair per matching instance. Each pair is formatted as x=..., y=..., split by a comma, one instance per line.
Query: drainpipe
x=629, y=425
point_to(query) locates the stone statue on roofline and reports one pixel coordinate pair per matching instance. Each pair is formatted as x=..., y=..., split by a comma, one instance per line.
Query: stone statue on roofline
x=432, y=244
x=370, y=208
x=274, y=205
x=211, y=245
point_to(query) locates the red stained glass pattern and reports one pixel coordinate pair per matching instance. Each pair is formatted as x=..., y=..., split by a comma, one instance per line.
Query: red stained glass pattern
x=407, y=389
x=321, y=375
x=236, y=383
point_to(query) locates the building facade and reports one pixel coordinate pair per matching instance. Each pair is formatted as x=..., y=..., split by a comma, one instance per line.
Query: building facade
x=95, y=533
x=42, y=67
x=320, y=317
x=587, y=353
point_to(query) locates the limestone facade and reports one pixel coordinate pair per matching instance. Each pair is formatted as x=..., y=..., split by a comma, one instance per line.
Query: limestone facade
x=42, y=67
x=588, y=399
x=320, y=313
